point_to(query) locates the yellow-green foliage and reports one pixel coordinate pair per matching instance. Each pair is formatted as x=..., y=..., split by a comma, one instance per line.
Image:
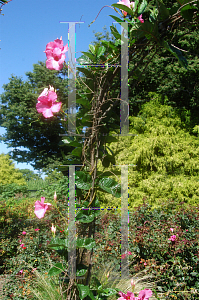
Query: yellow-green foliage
x=16, y=208
x=165, y=155
x=9, y=174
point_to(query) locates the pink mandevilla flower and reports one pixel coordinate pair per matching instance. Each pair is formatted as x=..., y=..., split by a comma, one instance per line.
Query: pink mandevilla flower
x=55, y=54
x=37, y=229
x=143, y=295
x=23, y=232
x=130, y=5
x=172, y=238
x=41, y=208
x=47, y=103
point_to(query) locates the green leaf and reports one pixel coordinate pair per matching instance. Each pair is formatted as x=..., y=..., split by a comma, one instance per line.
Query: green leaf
x=107, y=160
x=68, y=139
x=83, y=181
x=97, y=282
x=110, y=139
x=153, y=15
x=109, y=292
x=85, y=71
x=110, y=150
x=110, y=186
x=100, y=51
x=115, y=33
x=142, y=7
x=83, y=218
x=116, y=19
x=83, y=100
x=87, y=243
x=108, y=173
x=75, y=144
x=109, y=44
x=163, y=11
x=125, y=8
x=72, y=143
x=77, y=152
x=92, y=48
x=150, y=30
x=56, y=269
x=135, y=5
x=187, y=12
x=58, y=244
x=177, y=53
x=84, y=291
x=81, y=272
x=90, y=56
x=84, y=60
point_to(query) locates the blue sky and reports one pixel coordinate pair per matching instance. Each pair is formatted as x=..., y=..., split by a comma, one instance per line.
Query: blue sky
x=27, y=26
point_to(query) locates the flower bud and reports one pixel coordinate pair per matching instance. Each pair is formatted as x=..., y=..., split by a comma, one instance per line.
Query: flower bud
x=55, y=196
x=53, y=229
x=132, y=284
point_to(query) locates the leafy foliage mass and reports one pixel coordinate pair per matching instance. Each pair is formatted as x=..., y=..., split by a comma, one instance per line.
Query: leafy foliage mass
x=173, y=266
x=9, y=174
x=38, y=136
x=164, y=154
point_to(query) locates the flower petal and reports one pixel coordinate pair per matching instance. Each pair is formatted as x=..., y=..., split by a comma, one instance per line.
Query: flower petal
x=47, y=113
x=145, y=294
x=52, y=64
x=52, y=96
x=56, y=107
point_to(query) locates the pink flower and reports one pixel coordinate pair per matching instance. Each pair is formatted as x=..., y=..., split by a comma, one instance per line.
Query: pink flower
x=145, y=264
x=127, y=3
x=22, y=245
x=123, y=256
x=37, y=229
x=55, y=54
x=143, y=295
x=47, y=103
x=140, y=19
x=171, y=229
x=172, y=238
x=20, y=241
x=41, y=208
x=129, y=253
x=129, y=296
x=130, y=5
x=23, y=232
x=21, y=271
